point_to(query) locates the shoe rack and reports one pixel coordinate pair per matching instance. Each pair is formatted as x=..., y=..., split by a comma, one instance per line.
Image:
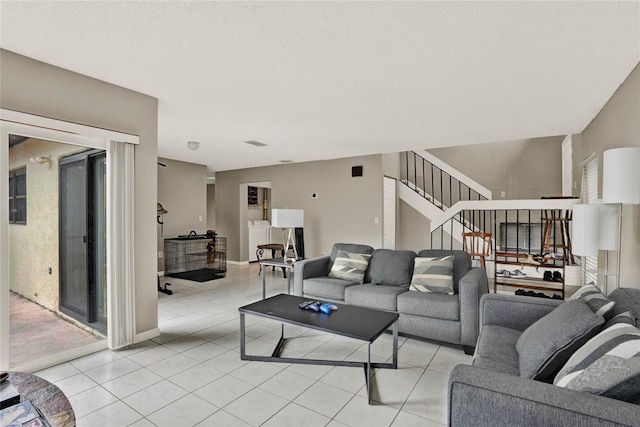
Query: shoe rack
x=525, y=271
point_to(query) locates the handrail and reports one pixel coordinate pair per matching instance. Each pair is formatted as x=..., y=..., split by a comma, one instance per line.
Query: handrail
x=492, y=205
x=469, y=182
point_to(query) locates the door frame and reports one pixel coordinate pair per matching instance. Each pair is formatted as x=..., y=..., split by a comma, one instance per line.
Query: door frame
x=13, y=122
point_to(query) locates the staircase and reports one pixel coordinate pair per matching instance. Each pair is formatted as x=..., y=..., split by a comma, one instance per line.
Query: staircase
x=455, y=203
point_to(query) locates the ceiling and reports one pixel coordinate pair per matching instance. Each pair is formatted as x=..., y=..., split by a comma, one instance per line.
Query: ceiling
x=322, y=80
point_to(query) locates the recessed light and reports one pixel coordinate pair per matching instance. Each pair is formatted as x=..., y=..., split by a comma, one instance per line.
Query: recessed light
x=286, y=161
x=193, y=145
x=256, y=143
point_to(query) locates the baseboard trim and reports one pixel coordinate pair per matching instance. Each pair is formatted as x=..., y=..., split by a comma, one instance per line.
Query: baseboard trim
x=147, y=335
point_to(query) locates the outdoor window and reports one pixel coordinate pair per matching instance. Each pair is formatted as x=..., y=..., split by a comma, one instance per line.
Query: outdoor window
x=18, y=196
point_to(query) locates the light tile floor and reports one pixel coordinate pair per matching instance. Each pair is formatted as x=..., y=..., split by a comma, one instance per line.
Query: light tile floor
x=192, y=375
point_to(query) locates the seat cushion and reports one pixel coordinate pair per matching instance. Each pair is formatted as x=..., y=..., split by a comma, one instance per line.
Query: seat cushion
x=390, y=267
x=496, y=350
x=326, y=287
x=430, y=304
x=374, y=296
x=608, y=365
x=546, y=345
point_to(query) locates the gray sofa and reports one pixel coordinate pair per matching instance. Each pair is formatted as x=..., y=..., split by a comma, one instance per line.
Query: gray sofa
x=437, y=316
x=492, y=393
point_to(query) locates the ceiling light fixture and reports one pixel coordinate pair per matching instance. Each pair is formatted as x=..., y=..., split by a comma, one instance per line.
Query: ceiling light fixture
x=193, y=145
x=256, y=143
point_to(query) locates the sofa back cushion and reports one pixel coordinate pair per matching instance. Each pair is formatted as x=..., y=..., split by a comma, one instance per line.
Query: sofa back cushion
x=627, y=299
x=461, y=262
x=347, y=247
x=546, y=345
x=390, y=267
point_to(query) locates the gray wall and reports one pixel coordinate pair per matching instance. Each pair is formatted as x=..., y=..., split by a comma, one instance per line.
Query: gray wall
x=182, y=190
x=211, y=206
x=524, y=169
x=34, y=87
x=617, y=125
x=343, y=212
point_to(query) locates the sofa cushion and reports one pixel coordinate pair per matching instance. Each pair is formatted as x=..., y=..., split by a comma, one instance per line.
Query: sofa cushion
x=627, y=299
x=390, y=267
x=461, y=262
x=429, y=304
x=433, y=275
x=349, y=266
x=608, y=365
x=373, y=296
x=326, y=287
x=625, y=317
x=496, y=350
x=348, y=247
x=546, y=345
x=596, y=300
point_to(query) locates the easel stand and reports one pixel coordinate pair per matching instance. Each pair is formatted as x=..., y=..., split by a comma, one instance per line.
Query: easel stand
x=289, y=242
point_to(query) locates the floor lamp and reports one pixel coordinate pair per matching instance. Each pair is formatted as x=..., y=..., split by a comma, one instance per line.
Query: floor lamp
x=289, y=219
x=595, y=227
x=620, y=185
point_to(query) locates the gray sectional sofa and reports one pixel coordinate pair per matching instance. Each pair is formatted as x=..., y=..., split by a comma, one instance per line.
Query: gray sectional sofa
x=437, y=316
x=493, y=391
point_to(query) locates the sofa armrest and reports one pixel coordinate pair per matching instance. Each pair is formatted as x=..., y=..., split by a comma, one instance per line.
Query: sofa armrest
x=514, y=311
x=480, y=397
x=307, y=268
x=471, y=287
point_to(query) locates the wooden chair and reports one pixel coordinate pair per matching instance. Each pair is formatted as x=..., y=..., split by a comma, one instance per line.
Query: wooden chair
x=477, y=244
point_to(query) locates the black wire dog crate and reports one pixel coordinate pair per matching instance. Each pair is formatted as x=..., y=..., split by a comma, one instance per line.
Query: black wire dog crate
x=202, y=254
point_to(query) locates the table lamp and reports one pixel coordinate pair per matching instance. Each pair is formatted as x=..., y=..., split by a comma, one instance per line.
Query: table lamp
x=289, y=219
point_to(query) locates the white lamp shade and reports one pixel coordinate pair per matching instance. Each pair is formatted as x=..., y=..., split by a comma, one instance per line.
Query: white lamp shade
x=287, y=218
x=621, y=175
x=584, y=235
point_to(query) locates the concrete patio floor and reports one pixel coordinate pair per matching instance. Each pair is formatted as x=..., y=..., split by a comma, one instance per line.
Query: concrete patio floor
x=36, y=332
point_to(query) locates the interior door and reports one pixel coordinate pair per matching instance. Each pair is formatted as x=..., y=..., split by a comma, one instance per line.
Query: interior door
x=83, y=238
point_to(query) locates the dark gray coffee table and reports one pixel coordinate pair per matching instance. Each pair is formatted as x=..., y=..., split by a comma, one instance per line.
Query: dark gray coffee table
x=350, y=321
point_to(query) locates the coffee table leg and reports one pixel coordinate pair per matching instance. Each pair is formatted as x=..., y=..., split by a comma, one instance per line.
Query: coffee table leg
x=289, y=283
x=243, y=353
x=264, y=283
x=395, y=345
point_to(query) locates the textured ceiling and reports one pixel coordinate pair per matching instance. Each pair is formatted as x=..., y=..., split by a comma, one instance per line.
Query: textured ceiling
x=321, y=80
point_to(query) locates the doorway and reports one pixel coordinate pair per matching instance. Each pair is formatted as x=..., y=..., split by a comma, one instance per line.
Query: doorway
x=83, y=229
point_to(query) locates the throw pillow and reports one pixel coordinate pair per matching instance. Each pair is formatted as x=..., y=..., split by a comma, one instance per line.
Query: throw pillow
x=596, y=300
x=545, y=346
x=624, y=317
x=433, y=275
x=349, y=266
x=608, y=365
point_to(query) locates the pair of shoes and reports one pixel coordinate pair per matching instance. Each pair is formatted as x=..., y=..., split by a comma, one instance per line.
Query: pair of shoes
x=517, y=274
x=530, y=260
x=557, y=276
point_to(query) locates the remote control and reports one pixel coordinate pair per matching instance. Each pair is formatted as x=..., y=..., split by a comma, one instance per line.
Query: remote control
x=306, y=304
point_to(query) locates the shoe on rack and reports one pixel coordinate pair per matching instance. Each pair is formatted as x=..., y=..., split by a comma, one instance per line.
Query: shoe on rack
x=557, y=276
x=517, y=274
x=502, y=273
x=520, y=292
x=531, y=260
x=548, y=276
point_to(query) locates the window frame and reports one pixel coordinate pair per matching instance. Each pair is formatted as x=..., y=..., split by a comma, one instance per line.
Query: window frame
x=14, y=196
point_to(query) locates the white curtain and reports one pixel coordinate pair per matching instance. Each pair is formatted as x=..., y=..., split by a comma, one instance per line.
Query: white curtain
x=120, y=245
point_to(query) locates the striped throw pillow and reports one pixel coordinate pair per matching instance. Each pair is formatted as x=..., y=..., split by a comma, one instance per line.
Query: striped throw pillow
x=596, y=300
x=624, y=317
x=433, y=275
x=350, y=266
x=608, y=365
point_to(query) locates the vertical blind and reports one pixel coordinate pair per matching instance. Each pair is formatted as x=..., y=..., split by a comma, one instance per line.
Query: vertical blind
x=589, y=194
